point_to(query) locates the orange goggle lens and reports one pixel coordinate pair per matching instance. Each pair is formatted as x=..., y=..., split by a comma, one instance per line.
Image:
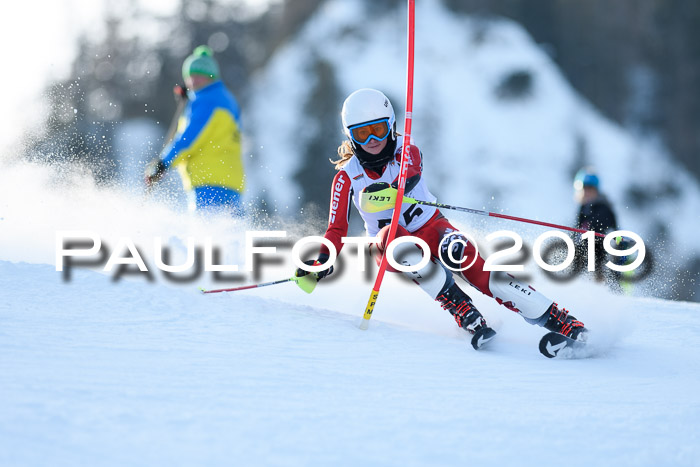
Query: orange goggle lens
x=378, y=129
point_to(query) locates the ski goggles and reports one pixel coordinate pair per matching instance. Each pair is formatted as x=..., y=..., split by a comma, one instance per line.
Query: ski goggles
x=376, y=129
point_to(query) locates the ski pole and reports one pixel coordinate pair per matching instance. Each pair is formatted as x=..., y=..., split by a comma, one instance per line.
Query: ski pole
x=383, y=199
x=180, y=94
x=403, y=171
x=306, y=283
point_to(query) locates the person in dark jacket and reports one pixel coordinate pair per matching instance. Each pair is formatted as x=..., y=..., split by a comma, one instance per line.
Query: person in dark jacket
x=596, y=214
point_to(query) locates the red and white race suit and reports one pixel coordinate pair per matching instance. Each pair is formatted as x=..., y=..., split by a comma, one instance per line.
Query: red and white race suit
x=424, y=222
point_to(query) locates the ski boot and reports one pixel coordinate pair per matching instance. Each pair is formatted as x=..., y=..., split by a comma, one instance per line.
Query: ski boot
x=458, y=303
x=559, y=320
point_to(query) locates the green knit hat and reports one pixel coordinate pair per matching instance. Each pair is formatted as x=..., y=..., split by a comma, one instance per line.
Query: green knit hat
x=201, y=62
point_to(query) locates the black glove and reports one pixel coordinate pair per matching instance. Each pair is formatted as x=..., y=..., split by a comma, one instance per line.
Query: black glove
x=179, y=93
x=322, y=258
x=377, y=186
x=154, y=172
x=411, y=183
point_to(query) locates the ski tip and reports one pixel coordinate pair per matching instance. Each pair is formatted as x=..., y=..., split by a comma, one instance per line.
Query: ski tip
x=202, y=290
x=482, y=336
x=545, y=351
x=554, y=345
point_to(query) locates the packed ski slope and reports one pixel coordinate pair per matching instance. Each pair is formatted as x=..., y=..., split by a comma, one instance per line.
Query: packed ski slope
x=98, y=373
x=95, y=371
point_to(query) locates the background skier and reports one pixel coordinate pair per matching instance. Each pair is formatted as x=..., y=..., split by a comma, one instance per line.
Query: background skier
x=595, y=213
x=206, y=148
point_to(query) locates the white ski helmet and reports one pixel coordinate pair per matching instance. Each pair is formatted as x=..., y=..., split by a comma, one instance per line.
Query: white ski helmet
x=366, y=105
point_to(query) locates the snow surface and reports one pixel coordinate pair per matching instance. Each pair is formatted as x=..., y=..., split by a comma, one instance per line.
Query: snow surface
x=99, y=371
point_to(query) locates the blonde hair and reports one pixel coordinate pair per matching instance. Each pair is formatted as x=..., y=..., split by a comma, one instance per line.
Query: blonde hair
x=345, y=153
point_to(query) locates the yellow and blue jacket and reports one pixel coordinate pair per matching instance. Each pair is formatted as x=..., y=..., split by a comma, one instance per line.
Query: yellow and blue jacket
x=206, y=148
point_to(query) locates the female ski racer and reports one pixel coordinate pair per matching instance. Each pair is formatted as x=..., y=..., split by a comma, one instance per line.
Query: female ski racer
x=370, y=159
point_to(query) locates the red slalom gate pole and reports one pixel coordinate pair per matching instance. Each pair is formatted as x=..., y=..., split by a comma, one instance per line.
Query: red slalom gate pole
x=405, y=156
